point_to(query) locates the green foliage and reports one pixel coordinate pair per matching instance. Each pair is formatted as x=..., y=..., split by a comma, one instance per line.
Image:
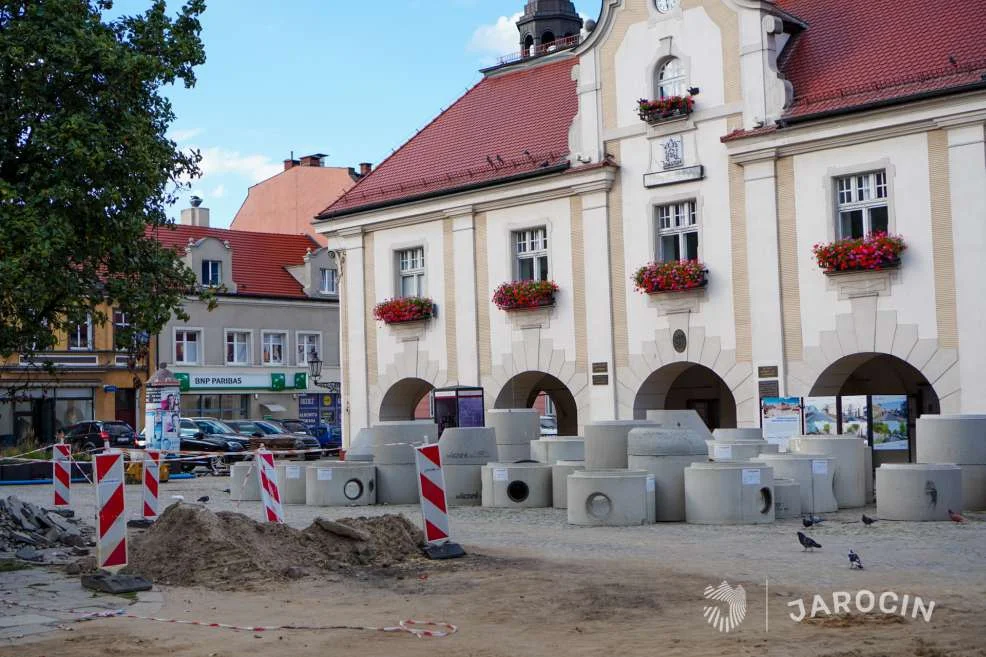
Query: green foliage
x=86, y=169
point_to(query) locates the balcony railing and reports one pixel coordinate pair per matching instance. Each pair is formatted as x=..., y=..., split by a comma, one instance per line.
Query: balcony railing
x=563, y=43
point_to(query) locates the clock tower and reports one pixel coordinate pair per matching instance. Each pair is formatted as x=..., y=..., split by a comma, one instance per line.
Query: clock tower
x=547, y=21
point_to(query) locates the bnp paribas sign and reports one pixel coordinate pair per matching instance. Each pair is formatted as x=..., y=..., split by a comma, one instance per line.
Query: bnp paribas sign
x=227, y=381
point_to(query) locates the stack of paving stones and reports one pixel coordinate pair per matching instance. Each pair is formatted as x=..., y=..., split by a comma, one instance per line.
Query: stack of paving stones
x=33, y=533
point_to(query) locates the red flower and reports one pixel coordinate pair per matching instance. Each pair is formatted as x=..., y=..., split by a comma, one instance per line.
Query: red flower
x=650, y=110
x=875, y=251
x=670, y=276
x=524, y=294
x=404, y=309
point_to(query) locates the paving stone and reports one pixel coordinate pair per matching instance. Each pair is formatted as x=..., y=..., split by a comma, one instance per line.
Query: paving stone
x=26, y=619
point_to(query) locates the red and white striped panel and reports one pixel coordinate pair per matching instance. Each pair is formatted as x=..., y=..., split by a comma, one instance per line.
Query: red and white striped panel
x=152, y=479
x=431, y=486
x=61, y=474
x=111, y=522
x=270, y=493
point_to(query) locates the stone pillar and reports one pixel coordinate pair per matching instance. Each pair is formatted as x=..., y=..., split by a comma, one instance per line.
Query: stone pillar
x=355, y=412
x=464, y=276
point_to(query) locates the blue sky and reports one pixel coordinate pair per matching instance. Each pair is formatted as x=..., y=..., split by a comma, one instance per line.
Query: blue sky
x=350, y=79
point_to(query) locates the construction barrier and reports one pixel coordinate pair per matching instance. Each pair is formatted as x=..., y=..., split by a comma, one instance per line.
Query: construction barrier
x=61, y=474
x=431, y=487
x=152, y=479
x=111, y=523
x=270, y=493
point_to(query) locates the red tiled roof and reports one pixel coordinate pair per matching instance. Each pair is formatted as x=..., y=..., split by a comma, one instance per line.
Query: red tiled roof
x=858, y=52
x=259, y=259
x=507, y=125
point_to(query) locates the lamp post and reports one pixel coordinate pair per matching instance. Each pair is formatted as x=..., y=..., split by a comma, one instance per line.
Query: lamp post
x=315, y=372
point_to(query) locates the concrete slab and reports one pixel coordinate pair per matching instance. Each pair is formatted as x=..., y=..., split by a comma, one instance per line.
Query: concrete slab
x=26, y=619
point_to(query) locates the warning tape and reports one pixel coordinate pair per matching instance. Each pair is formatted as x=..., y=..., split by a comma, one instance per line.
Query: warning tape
x=189, y=454
x=418, y=628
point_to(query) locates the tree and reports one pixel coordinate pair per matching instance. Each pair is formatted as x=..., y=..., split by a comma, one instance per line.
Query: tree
x=86, y=169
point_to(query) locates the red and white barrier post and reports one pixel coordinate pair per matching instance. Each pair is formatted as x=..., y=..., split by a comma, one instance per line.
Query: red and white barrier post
x=111, y=523
x=152, y=478
x=61, y=474
x=270, y=492
x=434, y=505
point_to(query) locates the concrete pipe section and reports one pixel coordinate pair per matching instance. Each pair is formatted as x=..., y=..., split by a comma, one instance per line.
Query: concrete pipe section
x=513, y=453
x=850, y=464
x=918, y=491
x=738, y=435
x=559, y=481
x=515, y=426
x=516, y=485
x=552, y=450
x=958, y=440
x=814, y=476
x=609, y=498
x=665, y=453
x=606, y=443
x=244, y=482
x=361, y=447
x=728, y=451
x=787, y=499
x=397, y=474
x=414, y=432
x=292, y=482
x=463, y=484
x=680, y=420
x=468, y=446
x=341, y=483
x=729, y=494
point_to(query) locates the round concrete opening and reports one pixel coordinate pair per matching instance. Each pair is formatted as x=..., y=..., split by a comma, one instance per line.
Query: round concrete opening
x=517, y=491
x=766, y=500
x=353, y=489
x=598, y=506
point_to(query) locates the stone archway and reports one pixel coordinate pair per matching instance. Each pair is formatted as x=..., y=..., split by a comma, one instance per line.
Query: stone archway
x=685, y=385
x=402, y=398
x=874, y=373
x=522, y=390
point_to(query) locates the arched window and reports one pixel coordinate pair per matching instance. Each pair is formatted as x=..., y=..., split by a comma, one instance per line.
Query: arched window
x=547, y=39
x=671, y=78
x=528, y=46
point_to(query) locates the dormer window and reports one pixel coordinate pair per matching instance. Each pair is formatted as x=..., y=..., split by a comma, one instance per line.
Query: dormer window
x=212, y=272
x=328, y=281
x=671, y=78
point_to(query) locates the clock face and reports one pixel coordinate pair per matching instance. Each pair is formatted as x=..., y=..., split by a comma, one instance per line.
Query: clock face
x=664, y=6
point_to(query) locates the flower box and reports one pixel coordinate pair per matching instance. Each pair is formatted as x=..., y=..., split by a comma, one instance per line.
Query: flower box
x=664, y=109
x=525, y=295
x=404, y=309
x=673, y=276
x=873, y=252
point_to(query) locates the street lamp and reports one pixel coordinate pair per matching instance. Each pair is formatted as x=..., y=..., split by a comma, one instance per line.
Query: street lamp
x=315, y=371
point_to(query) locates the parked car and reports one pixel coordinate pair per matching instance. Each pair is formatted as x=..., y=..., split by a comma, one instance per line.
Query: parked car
x=92, y=435
x=218, y=464
x=329, y=437
x=549, y=425
x=295, y=426
x=210, y=426
x=276, y=429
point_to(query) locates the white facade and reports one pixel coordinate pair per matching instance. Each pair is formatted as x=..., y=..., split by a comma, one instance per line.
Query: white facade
x=768, y=322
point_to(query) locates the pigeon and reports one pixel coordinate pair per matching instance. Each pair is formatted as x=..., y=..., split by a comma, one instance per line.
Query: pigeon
x=854, y=560
x=955, y=517
x=811, y=521
x=226, y=490
x=807, y=541
x=203, y=499
x=868, y=520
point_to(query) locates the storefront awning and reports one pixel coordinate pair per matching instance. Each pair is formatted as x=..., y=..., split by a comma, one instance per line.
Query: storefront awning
x=274, y=408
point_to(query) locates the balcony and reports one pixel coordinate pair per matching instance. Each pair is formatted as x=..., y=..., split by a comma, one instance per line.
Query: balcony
x=662, y=110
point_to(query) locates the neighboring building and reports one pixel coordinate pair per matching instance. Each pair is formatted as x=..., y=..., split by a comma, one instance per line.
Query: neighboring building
x=278, y=308
x=92, y=380
x=812, y=120
x=287, y=202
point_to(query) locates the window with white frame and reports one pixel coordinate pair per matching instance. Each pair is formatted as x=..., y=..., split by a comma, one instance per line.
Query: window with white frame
x=212, y=272
x=80, y=336
x=411, y=272
x=274, y=345
x=531, y=251
x=187, y=345
x=677, y=232
x=327, y=281
x=671, y=78
x=237, y=347
x=309, y=347
x=120, y=324
x=863, y=204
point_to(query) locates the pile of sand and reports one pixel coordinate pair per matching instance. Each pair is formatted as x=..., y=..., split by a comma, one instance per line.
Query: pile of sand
x=190, y=545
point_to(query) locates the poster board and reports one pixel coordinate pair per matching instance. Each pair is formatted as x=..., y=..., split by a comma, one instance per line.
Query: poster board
x=889, y=413
x=781, y=419
x=821, y=416
x=162, y=417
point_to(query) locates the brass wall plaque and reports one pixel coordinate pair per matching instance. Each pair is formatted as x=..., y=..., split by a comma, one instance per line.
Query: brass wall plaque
x=600, y=368
x=600, y=379
x=769, y=372
x=769, y=389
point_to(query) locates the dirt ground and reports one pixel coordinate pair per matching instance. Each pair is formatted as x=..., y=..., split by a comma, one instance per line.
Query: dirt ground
x=507, y=606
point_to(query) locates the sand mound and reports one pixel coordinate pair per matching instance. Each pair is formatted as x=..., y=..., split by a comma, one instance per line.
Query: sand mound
x=190, y=545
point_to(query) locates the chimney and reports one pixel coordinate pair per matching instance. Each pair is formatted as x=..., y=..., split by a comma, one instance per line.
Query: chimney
x=290, y=164
x=195, y=215
x=312, y=160
x=365, y=168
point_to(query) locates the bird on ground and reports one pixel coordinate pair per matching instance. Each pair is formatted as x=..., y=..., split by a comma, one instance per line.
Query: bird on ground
x=955, y=517
x=807, y=542
x=854, y=560
x=203, y=499
x=811, y=521
x=868, y=520
x=226, y=490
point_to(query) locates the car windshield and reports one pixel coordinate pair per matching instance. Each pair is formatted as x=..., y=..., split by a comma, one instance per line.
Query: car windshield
x=116, y=428
x=296, y=427
x=270, y=427
x=244, y=427
x=214, y=426
x=549, y=423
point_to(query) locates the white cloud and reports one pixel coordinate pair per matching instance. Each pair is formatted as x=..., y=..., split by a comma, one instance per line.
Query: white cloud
x=498, y=38
x=253, y=167
x=186, y=134
x=218, y=191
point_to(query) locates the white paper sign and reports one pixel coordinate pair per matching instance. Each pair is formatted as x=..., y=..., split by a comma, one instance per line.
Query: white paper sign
x=651, y=484
x=500, y=474
x=324, y=474
x=723, y=452
x=751, y=477
x=293, y=471
x=820, y=467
